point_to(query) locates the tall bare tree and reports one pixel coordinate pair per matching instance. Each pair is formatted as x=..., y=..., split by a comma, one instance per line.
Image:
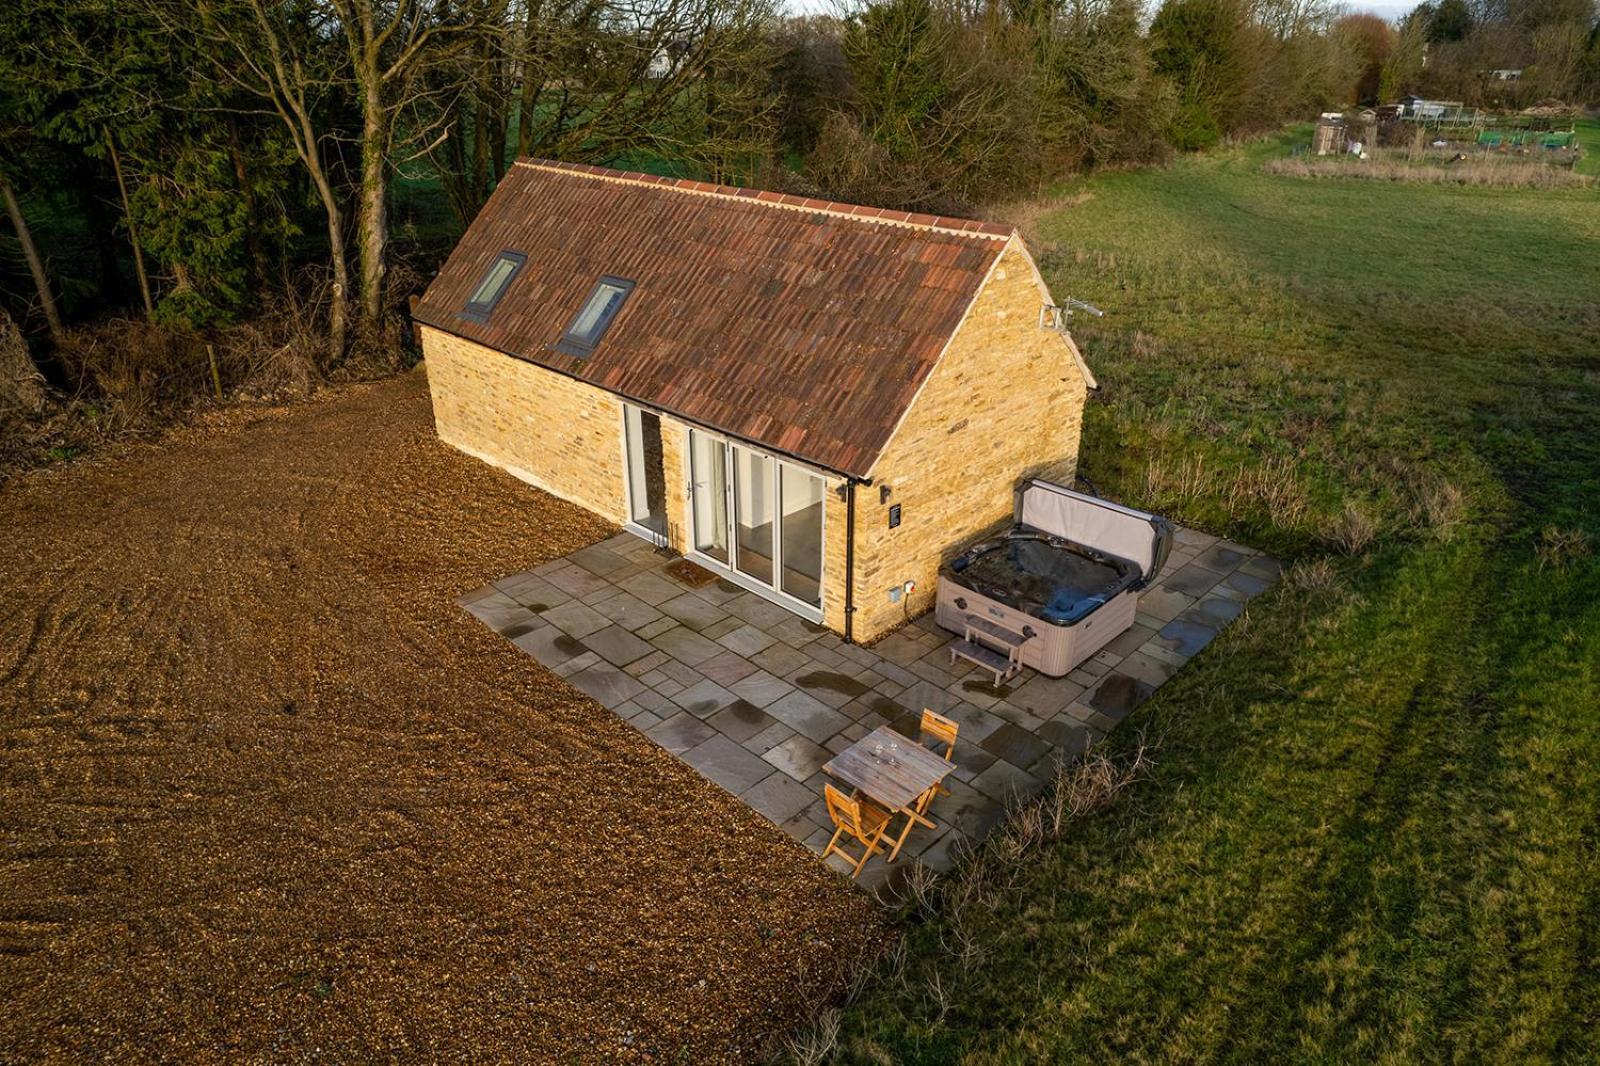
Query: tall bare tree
x=276, y=53
x=30, y=252
x=388, y=44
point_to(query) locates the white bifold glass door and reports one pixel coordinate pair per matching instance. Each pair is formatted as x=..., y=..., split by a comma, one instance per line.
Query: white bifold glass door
x=647, y=477
x=760, y=517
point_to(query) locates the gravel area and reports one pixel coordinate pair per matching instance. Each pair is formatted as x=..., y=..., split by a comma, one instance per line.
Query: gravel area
x=268, y=793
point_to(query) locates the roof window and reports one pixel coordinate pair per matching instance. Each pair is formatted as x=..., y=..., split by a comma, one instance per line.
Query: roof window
x=592, y=321
x=494, y=284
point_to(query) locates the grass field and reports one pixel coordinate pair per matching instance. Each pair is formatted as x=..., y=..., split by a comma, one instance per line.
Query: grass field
x=1371, y=829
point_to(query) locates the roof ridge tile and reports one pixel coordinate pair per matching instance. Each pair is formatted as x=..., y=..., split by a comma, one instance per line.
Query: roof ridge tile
x=961, y=227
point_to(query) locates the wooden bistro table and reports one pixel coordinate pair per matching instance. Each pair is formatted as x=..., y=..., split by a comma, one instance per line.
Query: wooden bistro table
x=894, y=772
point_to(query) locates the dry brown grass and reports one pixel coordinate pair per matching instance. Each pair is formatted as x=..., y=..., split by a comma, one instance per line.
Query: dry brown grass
x=128, y=378
x=1489, y=171
x=1560, y=548
x=1275, y=487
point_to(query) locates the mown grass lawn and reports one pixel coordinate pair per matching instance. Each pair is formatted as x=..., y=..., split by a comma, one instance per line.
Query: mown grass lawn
x=1372, y=830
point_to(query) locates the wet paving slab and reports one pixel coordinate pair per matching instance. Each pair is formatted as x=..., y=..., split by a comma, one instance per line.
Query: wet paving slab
x=756, y=699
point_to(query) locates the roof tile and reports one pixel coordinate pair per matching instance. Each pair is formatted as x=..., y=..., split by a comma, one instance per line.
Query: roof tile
x=808, y=331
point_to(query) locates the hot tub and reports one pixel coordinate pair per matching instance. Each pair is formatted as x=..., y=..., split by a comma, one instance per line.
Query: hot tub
x=1060, y=585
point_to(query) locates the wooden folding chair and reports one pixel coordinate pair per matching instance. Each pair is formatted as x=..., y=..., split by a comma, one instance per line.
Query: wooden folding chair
x=941, y=729
x=858, y=817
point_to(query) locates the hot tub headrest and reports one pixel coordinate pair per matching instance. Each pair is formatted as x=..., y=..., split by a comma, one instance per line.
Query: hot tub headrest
x=1140, y=537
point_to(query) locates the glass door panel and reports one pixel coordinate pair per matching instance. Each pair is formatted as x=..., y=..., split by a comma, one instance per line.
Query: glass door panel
x=801, y=535
x=708, y=463
x=753, y=499
x=647, y=476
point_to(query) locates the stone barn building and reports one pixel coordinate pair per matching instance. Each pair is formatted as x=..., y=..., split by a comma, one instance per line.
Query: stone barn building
x=818, y=401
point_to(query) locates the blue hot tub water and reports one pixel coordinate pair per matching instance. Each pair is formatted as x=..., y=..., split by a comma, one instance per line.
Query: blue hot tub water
x=1043, y=576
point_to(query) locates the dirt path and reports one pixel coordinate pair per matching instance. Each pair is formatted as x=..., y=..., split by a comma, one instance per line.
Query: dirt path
x=267, y=793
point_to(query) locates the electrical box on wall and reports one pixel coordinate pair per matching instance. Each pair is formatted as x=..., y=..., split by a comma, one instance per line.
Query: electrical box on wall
x=894, y=516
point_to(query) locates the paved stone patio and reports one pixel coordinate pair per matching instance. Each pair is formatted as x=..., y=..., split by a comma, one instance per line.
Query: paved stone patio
x=757, y=699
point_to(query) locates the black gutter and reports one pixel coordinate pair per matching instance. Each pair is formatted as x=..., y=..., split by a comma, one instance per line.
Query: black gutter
x=849, y=560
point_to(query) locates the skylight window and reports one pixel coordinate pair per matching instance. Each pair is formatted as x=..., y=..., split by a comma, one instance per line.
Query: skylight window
x=494, y=284
x=591, y=323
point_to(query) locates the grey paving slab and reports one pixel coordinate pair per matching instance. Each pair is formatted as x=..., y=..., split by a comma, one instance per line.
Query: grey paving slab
x=1150, y=669
x=617, y=646
x=830, y=686
x=1118, y=694
x=944, y=853
x=704, y=698
x=886, y=707
x=807, y=716
x=651, y=700
x=1046, y=696
x=756, y=698
x=1006, y=783
x=1129, y=642
x=720, y=628
x=746, y=640
x=473, y=596
x=968, y=810
x=719, y=591
x=781, y=659
x=971, y=760
x=1214, y=611
x=659, y=626
x=1192, y=580
x=1163, y=604
x=1193, y=538
x=653, y=661
x=975, y=723
x=723, y=761
x=550, y=645
x=795, y=631
x=681, y=732
x=535, y=593
x=762, y=742
x=500, y=612
x=761, y=688
x=679, y=672
x=687, y=646
x=651, y=587
x=799, y=757
x=757, y=611
x=1015, y=745
x=778, y=796
x=627, y=610
x=727, y=668
x=741, y=720
x=692, y=611
x=606, y=683
x=925, y=695
x=574, y=580
x=599, y=560
x=1184, y=636
x=1067, y=736
x=572, y=666
x=576, y=619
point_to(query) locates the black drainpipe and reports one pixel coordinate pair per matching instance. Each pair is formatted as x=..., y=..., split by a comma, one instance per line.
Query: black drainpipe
x=849, y=560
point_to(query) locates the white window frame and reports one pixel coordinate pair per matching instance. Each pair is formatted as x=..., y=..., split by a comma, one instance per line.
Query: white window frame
x=730, y=569
x=658, y=539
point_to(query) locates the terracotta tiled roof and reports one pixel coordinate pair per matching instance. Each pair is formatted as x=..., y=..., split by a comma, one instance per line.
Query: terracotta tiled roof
x=802, y=325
